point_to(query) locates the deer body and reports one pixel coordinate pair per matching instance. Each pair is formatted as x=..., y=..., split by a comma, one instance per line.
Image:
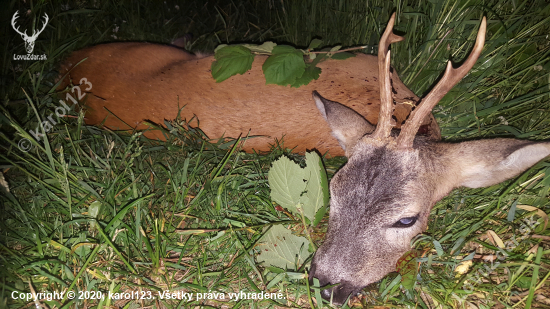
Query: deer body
x=142, y=81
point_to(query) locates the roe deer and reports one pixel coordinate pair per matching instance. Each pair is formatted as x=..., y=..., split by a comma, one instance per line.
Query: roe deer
x=381, y=198
x=142, y=81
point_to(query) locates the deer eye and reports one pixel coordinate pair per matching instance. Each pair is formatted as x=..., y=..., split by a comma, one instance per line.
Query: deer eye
x=406, y=222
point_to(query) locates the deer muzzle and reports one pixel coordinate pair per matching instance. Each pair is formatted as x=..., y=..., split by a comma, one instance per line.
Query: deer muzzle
x=338, y=293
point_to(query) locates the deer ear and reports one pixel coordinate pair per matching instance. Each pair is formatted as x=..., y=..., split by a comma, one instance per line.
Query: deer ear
x=346, y=124
x=487, y=162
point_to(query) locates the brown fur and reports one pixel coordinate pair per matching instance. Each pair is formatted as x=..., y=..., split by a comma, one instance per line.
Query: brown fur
x=142, y=81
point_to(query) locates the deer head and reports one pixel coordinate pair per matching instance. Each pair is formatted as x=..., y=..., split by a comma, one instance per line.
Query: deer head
x=29, y=40
x=383, y=195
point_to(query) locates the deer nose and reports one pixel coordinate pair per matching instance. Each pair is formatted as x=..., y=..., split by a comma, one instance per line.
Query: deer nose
x=322, y=281
x=326, y=293
x=338, y=293
x=313, y=273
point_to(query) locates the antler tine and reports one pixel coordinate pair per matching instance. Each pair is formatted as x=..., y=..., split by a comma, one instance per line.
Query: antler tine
x=450, y=79
x=46, y=19
x=15, y=16
x=383, y=128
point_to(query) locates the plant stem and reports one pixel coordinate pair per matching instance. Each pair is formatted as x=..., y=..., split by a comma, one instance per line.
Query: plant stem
x=299, y=206
x=339, y=51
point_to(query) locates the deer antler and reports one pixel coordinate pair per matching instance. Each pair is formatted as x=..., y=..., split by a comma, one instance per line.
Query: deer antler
x=383, y=128
x=15, y=16
x=450, y=79
x=34, y=35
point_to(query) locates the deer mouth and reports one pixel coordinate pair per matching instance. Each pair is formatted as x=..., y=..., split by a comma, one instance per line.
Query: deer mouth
x=339, y=293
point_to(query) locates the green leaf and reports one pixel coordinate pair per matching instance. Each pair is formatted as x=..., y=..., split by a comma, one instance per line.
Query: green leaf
x=284, y=66
x=94, y=209
x=231, y=60
x=279, y=248
x=316, y=195
x=293, y=187
x=407, y=262
x=457, y=245
x=219, y=47
x=234, y=222
x=438, y=248
x=275, y=280
x=342, y=56
x=311, y=72
x=314, y=44
x=523, y=282
x=408, y=281
x=266, y=47
x=286, y=180
x=407, y=266
x=319, y=58
x=317, y=292
x=319, y=215
x=295, y=276
x=512, y=212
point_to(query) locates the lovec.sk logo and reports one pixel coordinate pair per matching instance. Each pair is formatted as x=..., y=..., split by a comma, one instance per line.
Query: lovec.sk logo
x=29, y=40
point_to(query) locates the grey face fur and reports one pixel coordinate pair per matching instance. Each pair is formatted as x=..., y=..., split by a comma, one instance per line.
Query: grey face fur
x=367, y=208
x=383, y=195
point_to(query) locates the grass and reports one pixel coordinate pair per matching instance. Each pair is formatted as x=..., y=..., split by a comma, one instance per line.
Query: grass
x=94, y=210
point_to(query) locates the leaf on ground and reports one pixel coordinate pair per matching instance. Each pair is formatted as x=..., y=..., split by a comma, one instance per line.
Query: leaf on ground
x=512, y=212
x=231, y=60
x=319, y=215
x=540, y=213
x=279, y=248
x=524, y=282
x=438, y=248
x=317, y=186
x=94, y=209
x=463, y=267
x=407, y=266
x=495, y=239
x=284, y=66
x=308, y=187
x=310, y=73
x=286, y=180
